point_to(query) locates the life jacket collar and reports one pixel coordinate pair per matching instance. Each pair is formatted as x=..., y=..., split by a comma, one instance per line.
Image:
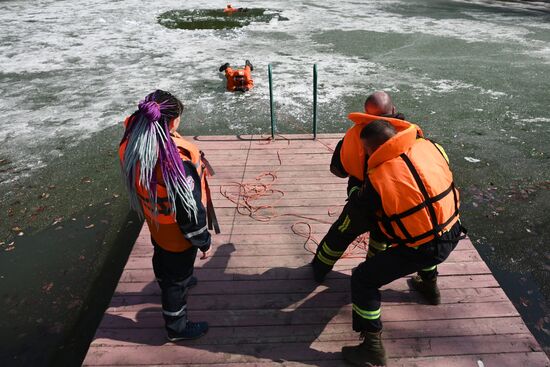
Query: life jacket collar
x=399, y=143
x=365, y=118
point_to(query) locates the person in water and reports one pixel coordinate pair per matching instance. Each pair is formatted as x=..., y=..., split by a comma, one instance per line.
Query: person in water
x=165, y=176
x=238, y=79
x=229, y=9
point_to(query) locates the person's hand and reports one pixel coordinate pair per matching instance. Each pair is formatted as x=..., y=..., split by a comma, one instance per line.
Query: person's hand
x=205, y=254
x=205, y=251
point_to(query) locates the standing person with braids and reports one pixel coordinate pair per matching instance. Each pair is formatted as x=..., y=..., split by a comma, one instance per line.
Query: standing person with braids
x=166, y=180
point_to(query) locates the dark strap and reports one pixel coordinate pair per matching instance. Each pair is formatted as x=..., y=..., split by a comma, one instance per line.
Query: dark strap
x=414, y=209
x=428, y=203
x=207, y=164
x=423, y=190
x=210, y=212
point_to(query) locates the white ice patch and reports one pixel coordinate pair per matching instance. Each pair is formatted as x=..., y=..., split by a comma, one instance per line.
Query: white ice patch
x=536, y=120
x=72, y=68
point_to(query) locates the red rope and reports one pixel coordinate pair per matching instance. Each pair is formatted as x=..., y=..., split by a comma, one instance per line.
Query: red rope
x=251, y=192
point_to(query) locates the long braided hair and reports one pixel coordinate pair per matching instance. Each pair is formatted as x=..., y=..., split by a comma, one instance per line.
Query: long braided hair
x=149, y=146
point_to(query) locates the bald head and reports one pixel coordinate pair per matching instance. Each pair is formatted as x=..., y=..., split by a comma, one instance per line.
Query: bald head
x=379, y=103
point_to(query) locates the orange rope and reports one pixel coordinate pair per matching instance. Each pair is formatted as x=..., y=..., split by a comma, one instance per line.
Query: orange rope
x=251, y=192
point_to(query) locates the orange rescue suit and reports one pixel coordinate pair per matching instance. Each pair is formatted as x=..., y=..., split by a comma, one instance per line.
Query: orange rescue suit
x=164, y=227
x=415, y=184
x=230, y=10
x=352, y=153
x=239, y=79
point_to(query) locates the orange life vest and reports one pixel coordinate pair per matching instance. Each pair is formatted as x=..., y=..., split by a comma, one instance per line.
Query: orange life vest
x=230, y=10
x=415, y=184
x=352, y=153
x=239, y=79
x=164, y=227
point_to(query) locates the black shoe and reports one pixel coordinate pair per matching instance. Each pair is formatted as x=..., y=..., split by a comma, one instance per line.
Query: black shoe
x=248, y=63
x=427, y=288
x=193, y=330
x=224, y=66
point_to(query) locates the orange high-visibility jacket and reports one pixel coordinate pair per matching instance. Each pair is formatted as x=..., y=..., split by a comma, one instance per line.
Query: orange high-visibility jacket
x=352, y=153
x=416, y=188
x=239, y=79
x=163, y=226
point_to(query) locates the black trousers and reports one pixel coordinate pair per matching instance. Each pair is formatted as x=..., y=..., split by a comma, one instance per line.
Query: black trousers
x=389, y=265
x=352, y=222
x=173, y=271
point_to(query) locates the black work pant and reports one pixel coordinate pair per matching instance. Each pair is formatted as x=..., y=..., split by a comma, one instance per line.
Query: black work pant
x=390, y=265
x=173, y=271
x=351, y=223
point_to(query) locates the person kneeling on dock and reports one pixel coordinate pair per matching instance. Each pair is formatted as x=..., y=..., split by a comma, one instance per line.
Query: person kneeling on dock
x=238, y=79
x=410, y=197
x=350, y=160
x=166, y=179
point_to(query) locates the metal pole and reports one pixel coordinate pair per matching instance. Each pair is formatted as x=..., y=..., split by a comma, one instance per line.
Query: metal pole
x=271, y=103
x=314, y=101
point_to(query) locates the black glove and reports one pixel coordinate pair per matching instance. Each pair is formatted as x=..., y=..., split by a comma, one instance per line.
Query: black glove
x=320, y=270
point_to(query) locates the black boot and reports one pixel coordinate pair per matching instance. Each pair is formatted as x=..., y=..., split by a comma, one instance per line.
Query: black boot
x=369, y=353
x=427, y=288
x=224, y=66
x=248, y=63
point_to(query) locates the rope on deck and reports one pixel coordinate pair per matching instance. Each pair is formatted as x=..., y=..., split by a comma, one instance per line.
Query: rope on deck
x=251, y=192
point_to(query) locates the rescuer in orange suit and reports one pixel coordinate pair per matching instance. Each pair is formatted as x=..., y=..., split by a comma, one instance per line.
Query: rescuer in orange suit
x=409, y=197
x=166, y=180
x=238, y=79
x=349, y=160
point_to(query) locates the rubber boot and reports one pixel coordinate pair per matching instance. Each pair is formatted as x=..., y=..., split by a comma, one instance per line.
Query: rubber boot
x=248, y=63
x=427, y=288
x=224, y=66
x=369, y=353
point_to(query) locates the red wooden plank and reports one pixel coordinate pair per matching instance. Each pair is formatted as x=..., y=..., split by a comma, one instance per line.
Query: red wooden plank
x=315, y=332
x=534, y=359
x=262, y=285
x=173, y=354
x=445, y=269
x=151, y=316
x=288, y=261
x=133, y=302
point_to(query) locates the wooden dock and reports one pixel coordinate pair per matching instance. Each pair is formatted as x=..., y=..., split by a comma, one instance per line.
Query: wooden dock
x=257, y=291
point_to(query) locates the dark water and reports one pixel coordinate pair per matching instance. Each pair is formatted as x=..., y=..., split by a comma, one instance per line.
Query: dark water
x=473, y=74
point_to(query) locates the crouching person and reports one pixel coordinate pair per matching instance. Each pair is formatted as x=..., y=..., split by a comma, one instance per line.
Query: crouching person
x=409, y=188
